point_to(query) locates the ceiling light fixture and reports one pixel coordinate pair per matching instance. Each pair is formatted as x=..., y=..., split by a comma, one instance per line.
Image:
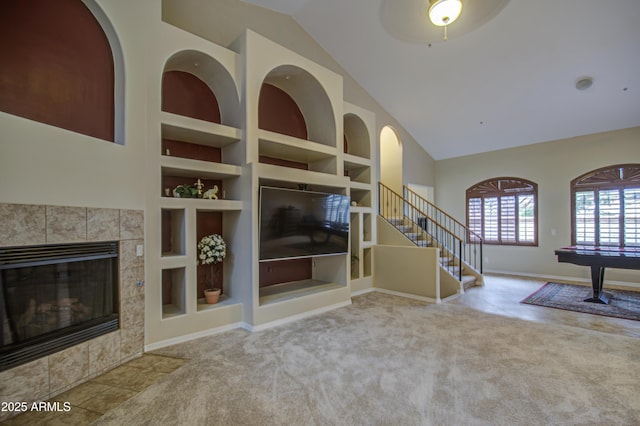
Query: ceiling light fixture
x=444, y=12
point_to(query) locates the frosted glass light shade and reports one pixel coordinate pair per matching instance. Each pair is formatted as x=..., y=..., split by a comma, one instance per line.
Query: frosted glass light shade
x=444, y=12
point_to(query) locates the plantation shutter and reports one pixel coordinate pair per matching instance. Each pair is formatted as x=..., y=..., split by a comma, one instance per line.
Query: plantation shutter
x=508, y=219
x=503, y=211
x=609, y=211
x=474, y=215
x=632, y=217
x=585, y=218
x=606, y=210
x=491, y=218
x=526, y=219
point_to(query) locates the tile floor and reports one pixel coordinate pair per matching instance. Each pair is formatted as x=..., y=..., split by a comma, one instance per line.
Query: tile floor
x=501, y=295
x=92, y=399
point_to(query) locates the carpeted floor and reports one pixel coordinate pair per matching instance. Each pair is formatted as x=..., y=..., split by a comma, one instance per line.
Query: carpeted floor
x=622, y=304
x=387, y=360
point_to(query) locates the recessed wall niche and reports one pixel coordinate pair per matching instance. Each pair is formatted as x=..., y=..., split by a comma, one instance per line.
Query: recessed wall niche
x=173, y=232
x=207, y=223
x=356, y=137
x=185, y=94
x=296, y=122
x=309, y=96
x=59, y=68
x=173, y=292
x=191, y=73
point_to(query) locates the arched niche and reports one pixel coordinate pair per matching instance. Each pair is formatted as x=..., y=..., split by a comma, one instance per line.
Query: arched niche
x=63, y=67
x=310, y=97
x=185, y=94
x=278, y=112
x=391, y=159
x=215, y=76
x=356, y=136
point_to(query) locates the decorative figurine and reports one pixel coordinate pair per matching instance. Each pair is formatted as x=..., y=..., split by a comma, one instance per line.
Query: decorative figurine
x=199, y=186
x=211, y=194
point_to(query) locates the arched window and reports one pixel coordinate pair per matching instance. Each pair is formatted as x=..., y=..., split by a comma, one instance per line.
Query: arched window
x=504, y=211
x=605, y=207
x=58, y=67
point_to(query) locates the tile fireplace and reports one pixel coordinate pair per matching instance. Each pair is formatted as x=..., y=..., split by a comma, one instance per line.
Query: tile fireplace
x=32, y=225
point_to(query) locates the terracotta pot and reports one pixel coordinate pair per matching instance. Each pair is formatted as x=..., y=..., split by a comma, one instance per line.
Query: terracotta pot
x=211, y=295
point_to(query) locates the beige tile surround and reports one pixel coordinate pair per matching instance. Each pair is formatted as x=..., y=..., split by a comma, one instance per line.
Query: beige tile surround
x=25, y=224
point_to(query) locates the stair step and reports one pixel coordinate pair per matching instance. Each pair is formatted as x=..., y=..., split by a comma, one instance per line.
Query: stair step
x=445, y=261
x=452, y=269
x=396, y=221
x=422, y=243
x=414, y=235
x=468, y=281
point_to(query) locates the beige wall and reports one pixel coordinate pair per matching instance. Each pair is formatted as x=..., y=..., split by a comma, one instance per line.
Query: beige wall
x=222, y=21
x=408, y=270
x=552, y=165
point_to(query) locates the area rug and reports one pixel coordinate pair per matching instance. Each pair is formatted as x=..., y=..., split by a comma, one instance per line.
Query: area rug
x=622, y=304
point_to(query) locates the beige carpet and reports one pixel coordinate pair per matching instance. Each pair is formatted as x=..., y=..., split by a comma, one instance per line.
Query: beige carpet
x=387, y=360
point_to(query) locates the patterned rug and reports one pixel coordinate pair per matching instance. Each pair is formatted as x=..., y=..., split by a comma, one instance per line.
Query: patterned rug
x=622, y=304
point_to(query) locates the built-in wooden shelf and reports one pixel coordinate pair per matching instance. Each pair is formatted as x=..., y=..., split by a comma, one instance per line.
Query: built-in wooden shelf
x=224, y=302
x=201, y=204
x=185, y=167
x=171, y=311
x=192, y=130
x=353, y=161
x=316, y=180
x=173, y=261
x=361, y=209
x=293, y=290
x=289, y=148
x=360, y=186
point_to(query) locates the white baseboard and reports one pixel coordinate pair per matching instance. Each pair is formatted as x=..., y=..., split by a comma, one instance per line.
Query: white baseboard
x=363, y=291
x=191, y=336
x=452, y=297
x=407, y=295
x=261, y=327
x=547, y=277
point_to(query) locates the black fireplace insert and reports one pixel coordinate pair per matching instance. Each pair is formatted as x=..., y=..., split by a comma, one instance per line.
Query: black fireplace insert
x=55, y=296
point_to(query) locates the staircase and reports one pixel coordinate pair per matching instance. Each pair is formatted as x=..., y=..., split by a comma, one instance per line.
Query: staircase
x=425, y=225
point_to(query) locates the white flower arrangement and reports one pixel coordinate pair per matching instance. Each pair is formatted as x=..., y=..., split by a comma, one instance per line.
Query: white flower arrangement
x=212, y=249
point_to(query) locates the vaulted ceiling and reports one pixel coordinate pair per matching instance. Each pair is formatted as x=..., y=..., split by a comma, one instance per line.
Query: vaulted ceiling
x=505, y=77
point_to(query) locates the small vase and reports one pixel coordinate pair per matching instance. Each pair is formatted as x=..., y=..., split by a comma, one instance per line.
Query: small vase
x=211, y=295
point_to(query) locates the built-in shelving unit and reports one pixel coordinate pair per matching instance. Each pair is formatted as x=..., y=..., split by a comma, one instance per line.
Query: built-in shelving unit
x=191, y=147
x=359, y=166
x=308, y=157
x=231, y=145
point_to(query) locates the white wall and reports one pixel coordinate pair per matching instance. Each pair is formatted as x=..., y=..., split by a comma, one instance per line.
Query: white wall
x=552, y=165
x=43, y=164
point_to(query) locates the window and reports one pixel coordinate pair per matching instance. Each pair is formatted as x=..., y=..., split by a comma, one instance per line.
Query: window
x=606, y=207
x=504, y=211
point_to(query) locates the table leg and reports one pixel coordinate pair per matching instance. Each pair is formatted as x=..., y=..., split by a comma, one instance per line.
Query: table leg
x=597, y=280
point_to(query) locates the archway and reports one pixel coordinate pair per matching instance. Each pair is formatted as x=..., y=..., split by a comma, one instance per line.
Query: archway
x=390, y=161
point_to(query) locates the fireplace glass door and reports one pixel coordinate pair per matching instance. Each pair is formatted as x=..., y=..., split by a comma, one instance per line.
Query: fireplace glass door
x=54, y=297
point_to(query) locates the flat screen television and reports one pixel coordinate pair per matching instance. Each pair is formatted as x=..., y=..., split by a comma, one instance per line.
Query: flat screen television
x=296, y=224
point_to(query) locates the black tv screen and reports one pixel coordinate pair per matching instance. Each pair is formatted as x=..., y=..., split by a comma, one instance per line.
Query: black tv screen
x=296, y=224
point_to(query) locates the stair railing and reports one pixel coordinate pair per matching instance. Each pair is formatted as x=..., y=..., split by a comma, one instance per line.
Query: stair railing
x=400, y=213
x=434, y=216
